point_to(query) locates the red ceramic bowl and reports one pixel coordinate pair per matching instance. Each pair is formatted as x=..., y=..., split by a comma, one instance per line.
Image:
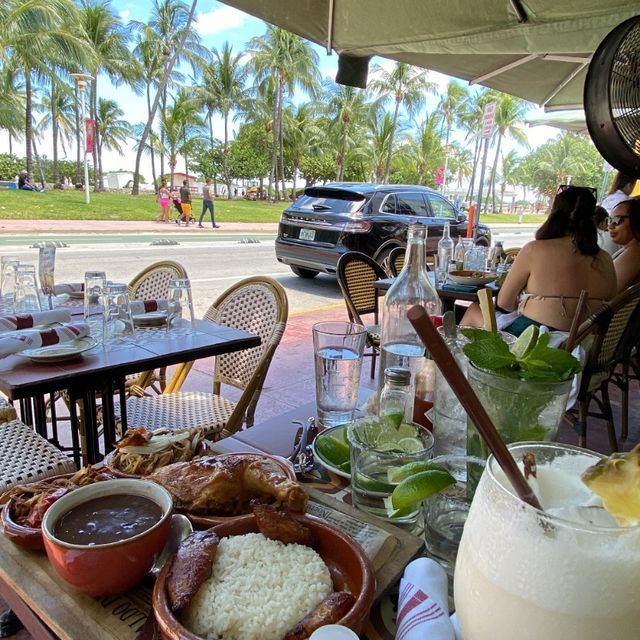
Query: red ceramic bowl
x=205, y=522
x=107, y=569
x=348, y=564
x=26, y=537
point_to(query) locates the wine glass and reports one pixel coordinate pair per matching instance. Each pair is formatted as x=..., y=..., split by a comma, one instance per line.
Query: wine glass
x=46, y=267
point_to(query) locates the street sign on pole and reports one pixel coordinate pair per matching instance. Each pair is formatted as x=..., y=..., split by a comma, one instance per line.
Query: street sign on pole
x=488, y=120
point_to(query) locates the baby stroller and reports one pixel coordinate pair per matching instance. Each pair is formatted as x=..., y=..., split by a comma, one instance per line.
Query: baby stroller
x=182, y=216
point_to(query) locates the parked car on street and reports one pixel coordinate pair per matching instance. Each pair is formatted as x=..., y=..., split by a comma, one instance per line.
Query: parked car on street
x=329, y=220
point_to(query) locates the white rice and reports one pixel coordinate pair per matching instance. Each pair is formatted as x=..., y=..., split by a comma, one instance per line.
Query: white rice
x=259, y=589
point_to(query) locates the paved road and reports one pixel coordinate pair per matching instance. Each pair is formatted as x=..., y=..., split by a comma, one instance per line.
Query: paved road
x=214, y=261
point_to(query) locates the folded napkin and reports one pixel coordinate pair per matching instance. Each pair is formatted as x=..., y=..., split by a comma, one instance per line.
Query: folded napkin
x=423, y=610
x=19, y=341
x=466, y=288
x=30, y=320
x=68, y=287
x=147, y=306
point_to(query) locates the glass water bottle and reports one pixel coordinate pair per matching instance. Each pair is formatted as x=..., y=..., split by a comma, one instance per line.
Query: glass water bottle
x=400, y=345
x=445, y=254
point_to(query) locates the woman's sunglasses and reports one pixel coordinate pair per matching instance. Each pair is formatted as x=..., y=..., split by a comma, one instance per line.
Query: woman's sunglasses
x=564, y=187
x=614, y=221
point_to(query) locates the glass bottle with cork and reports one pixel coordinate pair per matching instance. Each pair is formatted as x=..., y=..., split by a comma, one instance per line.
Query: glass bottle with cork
x=458, y=254
x=400, y=345
x=445, y=254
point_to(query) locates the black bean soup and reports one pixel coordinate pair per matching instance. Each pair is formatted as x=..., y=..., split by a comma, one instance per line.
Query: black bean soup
x=107, y=519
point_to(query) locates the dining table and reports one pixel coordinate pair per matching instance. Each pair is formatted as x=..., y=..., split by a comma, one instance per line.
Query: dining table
x=50, y=609
x=101, y=373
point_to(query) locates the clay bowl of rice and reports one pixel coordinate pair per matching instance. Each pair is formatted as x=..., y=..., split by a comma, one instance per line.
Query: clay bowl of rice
x=260, y=589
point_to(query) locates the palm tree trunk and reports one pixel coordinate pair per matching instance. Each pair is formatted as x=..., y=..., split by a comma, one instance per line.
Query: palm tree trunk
x=10, y=145
x=273, y=180
x=476, y=158
x=54, y=131
x=446, y=158
x=28, y=129
x=152, y=152
x=163, y=83
x=281, y=141
x=387, y=168
x=37, y=159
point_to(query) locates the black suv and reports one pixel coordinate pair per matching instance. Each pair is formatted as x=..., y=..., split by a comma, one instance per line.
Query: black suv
x=329, y=220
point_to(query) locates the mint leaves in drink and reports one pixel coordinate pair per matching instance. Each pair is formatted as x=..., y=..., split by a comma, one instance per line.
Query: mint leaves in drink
x=530, y=357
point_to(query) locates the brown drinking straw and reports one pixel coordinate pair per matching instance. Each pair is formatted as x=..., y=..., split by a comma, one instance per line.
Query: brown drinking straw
x=469, y=400
x=581, y=307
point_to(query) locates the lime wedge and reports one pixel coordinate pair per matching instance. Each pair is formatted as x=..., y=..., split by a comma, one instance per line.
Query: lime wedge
x=410, y=469
x=527, y=340
x=397, y=513
x=333, y=450
x=411, y=445
x=420, y=486
x=394, y=417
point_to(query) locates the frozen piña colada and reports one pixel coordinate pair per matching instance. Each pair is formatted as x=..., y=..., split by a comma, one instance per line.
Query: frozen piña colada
x=569, y=572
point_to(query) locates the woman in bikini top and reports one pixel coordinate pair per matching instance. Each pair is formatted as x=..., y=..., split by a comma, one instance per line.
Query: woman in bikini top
x=548, y=274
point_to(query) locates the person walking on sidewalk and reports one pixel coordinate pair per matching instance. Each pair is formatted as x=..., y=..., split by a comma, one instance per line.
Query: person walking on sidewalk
x=164, y=200
x=185, y=201
x=207, y=204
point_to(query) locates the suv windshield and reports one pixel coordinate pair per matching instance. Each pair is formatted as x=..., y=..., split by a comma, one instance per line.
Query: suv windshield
x=330, y=200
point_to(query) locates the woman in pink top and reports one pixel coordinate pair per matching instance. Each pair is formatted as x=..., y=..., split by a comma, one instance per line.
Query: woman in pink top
x=164, y=199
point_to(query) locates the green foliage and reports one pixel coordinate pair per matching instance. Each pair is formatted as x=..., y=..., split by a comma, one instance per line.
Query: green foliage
x=205, y=160
x=318, y=168
x=250, y=153
x=10, y=166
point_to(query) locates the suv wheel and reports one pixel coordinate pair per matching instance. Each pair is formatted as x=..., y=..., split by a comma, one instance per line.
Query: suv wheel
x=304, y=273
x=482, y=242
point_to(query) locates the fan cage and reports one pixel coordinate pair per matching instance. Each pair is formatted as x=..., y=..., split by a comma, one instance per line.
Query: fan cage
x=625, y=89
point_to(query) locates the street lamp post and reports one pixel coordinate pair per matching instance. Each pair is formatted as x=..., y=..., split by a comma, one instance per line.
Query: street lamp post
x=81, y=82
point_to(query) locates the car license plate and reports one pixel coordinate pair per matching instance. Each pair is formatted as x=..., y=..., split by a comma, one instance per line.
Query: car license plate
x=307, y=234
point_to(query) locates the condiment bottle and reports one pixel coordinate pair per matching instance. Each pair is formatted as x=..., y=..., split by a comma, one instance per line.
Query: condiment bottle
x=395, y=395
x=400, y=345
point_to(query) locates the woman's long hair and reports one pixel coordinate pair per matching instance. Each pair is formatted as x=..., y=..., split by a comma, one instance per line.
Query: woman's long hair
x=620, y=182
x=572, y=213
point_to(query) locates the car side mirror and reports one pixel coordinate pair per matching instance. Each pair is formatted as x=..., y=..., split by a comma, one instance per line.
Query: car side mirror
x=462, y=216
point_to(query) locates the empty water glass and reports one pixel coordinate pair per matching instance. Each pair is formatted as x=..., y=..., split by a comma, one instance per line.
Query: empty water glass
x=475, y=259
x=46, y=268
x=117, y=321
x=27, y=295
x=180, y=314
x=8, y=270
x=94, y=282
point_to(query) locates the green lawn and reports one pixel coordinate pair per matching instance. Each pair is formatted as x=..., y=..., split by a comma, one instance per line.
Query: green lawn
x=70, y=205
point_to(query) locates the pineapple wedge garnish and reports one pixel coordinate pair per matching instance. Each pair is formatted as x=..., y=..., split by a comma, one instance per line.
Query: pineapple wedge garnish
x=616, y=480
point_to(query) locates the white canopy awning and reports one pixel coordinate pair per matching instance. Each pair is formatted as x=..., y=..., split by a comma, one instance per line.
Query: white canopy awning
x=535, y=49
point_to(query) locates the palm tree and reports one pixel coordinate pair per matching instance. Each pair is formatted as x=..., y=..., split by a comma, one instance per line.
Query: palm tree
x=461, y=162
x=301, y=135
x=107, y=38
x=407, y=86
x=453, y=105
x=115, y=131
x=471, y=124
x=509, y=166
x=35, y=35
x=173, y=50
x=510, y=112
x=12, y=105
x=181, y=124
x=223, y=91
x=381, y=137
x=348, y=113
x=286, y=60
x=423, y=150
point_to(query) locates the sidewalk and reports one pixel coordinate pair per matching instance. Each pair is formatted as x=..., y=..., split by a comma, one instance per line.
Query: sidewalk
x=21, y=227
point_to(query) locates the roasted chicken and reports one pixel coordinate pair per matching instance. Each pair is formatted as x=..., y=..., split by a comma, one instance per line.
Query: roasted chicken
x=280, y=525
x=331, y=610
x=226, y=485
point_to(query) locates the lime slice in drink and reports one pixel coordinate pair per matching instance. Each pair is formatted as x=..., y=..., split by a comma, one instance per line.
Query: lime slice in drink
x=394, y=417
x=397, y=513
x=334, y=450
x=527, y=340
x=420, y=486
x=411, y=445
x=410, y=469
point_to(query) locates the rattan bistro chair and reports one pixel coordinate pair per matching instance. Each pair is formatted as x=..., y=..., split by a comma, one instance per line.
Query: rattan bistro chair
x=396, y=260
x=150, y=284
x=603, y=333
x=357, y=274
x=258, y=305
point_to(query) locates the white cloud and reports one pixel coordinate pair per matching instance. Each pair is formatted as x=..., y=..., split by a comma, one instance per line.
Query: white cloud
x=210, y=22
x=125, y=14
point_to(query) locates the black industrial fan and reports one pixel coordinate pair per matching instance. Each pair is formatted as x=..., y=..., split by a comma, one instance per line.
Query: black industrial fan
x=612, y=97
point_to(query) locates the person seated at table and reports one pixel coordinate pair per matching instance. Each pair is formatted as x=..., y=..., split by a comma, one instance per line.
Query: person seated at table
x=550, y=272
x=624, y=227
